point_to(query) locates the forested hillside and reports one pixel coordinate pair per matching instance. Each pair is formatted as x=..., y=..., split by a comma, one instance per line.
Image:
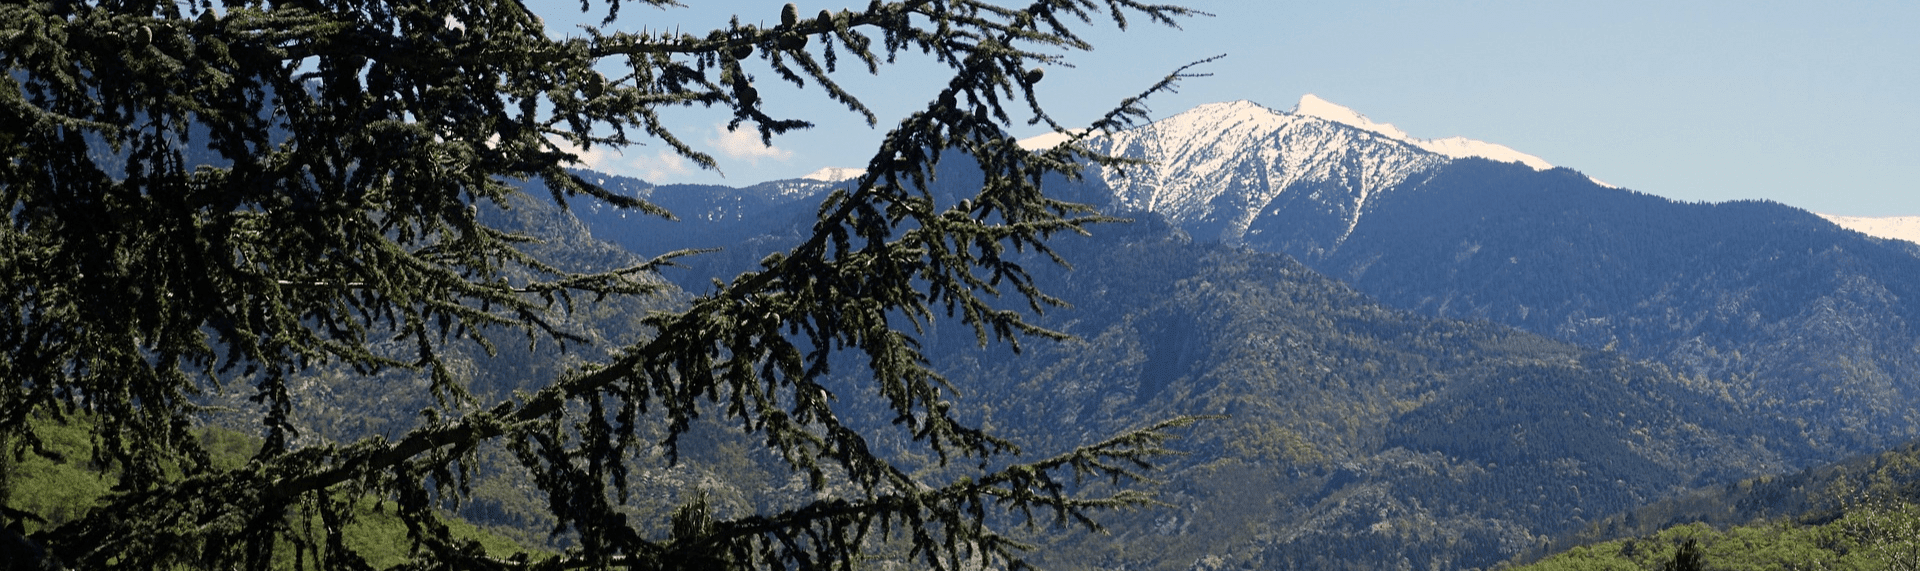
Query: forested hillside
x=1858, y=514
x=1353, y=435
x=1804, y=319
x=1357, y=436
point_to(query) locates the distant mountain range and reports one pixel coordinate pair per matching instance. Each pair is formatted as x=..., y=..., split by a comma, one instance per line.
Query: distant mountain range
x=1517, y=351
x=1357, y=435
x=1799, y=315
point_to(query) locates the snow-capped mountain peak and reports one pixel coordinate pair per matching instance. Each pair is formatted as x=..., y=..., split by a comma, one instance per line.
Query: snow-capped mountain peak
x=1298, y=180
x=1221, y=168
x=1456, y=147
x=1246, y=116
x=1461, y=147
x=1311, y=105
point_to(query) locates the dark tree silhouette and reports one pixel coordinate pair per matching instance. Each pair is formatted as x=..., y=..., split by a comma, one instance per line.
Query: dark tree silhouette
x=1686, y=558
x=200, y=197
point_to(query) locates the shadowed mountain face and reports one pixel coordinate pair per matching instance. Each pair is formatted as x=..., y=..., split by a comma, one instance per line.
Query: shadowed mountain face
x=1799, y=316
x=1357, y=436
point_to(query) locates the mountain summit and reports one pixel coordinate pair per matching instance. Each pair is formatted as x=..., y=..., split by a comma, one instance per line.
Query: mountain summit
x=1311, y=105
x=1238, y=172
x=1296, y=181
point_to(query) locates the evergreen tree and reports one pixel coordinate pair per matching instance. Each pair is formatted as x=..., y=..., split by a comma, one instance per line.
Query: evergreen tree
x=201, y=196
x=1686, y=558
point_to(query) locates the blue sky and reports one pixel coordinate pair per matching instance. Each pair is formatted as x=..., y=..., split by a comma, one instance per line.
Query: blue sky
x=1814, y=105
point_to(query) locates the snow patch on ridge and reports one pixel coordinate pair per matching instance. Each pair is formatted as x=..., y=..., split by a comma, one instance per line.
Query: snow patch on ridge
x=1889, y=227
x=1311, y=105
x=834, y=174
x=1047, y=140
x=1458, y=147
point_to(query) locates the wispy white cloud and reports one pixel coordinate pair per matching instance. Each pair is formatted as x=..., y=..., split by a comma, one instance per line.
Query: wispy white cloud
x=744, y=144
x=662, y=165
x=738, y=146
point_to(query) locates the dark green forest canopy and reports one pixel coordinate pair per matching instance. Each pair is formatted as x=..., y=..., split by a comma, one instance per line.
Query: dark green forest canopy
x=202, y=197
x=1856, y=514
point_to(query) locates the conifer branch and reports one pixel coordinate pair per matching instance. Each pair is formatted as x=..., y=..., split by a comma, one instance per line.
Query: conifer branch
x=352, y=147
